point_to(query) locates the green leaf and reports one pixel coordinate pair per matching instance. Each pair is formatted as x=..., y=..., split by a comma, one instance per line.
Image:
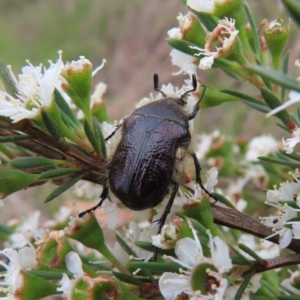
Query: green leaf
x=64, y=106
x=294, y=156
x=34, y=162
x=208, y=20
x=244, y=97
x=57, y=173
x=96, y=143
x=253, y=27
x=243, y=286
x=293, y=8
x=53, y=128
x=285, y=68
x=65, y=186
x=13, y=138
x=251, y=253
x=125, y=247
x=262, y=108
x=8, y=81
x=184, y=47
x=223, y=200
x=156, y=267
x=99, y=138
x=280, y=162
x=128, y=278
x=213, y=97
x=149, y=247
x=275, y=76
x=14, y=180
x=273, y=102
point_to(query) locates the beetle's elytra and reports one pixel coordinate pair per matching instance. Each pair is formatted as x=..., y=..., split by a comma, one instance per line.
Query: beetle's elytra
x=145, y=165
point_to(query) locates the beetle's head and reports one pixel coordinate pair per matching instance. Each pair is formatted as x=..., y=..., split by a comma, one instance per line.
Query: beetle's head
x=182, y=99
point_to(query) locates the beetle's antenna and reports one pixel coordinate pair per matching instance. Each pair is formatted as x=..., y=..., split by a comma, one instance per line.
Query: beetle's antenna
x=156, y=82
x=194, y=87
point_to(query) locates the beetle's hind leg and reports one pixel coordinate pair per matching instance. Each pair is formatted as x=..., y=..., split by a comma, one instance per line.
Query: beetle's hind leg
x=167, y=210
x=104, y=195
x=198, y=176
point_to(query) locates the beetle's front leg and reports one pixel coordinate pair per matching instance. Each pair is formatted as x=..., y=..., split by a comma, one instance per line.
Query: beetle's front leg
x=104, y=195
x=114, y=132
x=167, y=210
x=198, y=176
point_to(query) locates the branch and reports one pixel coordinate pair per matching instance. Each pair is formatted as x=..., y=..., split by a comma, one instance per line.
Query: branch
x=232, y=218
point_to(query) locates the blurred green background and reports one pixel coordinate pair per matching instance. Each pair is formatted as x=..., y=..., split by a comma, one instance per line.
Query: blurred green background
x=131, y=35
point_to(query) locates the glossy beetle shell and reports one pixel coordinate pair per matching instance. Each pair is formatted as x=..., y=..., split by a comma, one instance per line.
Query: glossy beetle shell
x=144, y=164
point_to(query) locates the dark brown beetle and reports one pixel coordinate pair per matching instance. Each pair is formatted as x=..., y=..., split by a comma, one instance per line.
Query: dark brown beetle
x=145, y=165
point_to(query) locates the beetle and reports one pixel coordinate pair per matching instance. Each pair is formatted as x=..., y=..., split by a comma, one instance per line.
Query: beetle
x=145, y=165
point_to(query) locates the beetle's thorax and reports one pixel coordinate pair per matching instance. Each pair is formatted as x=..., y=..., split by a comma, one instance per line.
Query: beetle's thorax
x=167, y=109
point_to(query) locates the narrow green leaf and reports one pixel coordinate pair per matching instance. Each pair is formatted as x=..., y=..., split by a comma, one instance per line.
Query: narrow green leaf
x=275, y=76
x=124, y=245
x=285, y=68
x=244, y=97
x=223, y=200
x=251, y=253
x=253, y=27
x=290, y=226
x=99, y=138
x=293, y=8
x=236, y=260
x=65, y=186
x=156, y=267
x=293, y=155
x=50, y=275
x=149, y=247
x=57, y=173
x=12, y=180
x=53, y=128
x=244, y=285
x=13, y=138
x=290, y=203
x=273, y=102
x=280, y=162
x=184, y=47
x=283, y=127
x=64, y=106
x=208, y=20
x=200, y=228
x=34, y=162
x=128, y=278
x=262, y=108
x=92, y=138
x=8, y=82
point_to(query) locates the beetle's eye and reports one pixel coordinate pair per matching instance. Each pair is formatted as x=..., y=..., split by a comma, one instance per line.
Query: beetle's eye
x=180, y=101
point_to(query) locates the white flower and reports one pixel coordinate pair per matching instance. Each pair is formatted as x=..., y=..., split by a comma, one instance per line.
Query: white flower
x=29, y=228
x=207, y=6
x=204, y=143
x=21, y=260
x=190, y=256
x=261, y=146
x=225, y=34
x=290, y=143
x=288, y=191
x=184, y=61
x=35, y=91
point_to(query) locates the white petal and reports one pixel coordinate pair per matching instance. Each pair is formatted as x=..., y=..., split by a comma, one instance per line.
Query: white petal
x=296, y=230
x=73, y=263
x=220, y=255
x=27, y=258
x=206, y=62
x=188, y=251
x=201, y=5
x=172, y=284
x=286, y=238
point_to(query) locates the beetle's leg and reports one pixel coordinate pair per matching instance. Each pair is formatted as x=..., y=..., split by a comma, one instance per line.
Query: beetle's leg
x=167, y=210
x=104, y=195
x=196, y=106
x=113, y=133
x=198, y=176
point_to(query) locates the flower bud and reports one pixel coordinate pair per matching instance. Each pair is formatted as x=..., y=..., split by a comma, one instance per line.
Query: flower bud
x=53, y=249
x=276, y=35
x=190, y=30
x=78, y=75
